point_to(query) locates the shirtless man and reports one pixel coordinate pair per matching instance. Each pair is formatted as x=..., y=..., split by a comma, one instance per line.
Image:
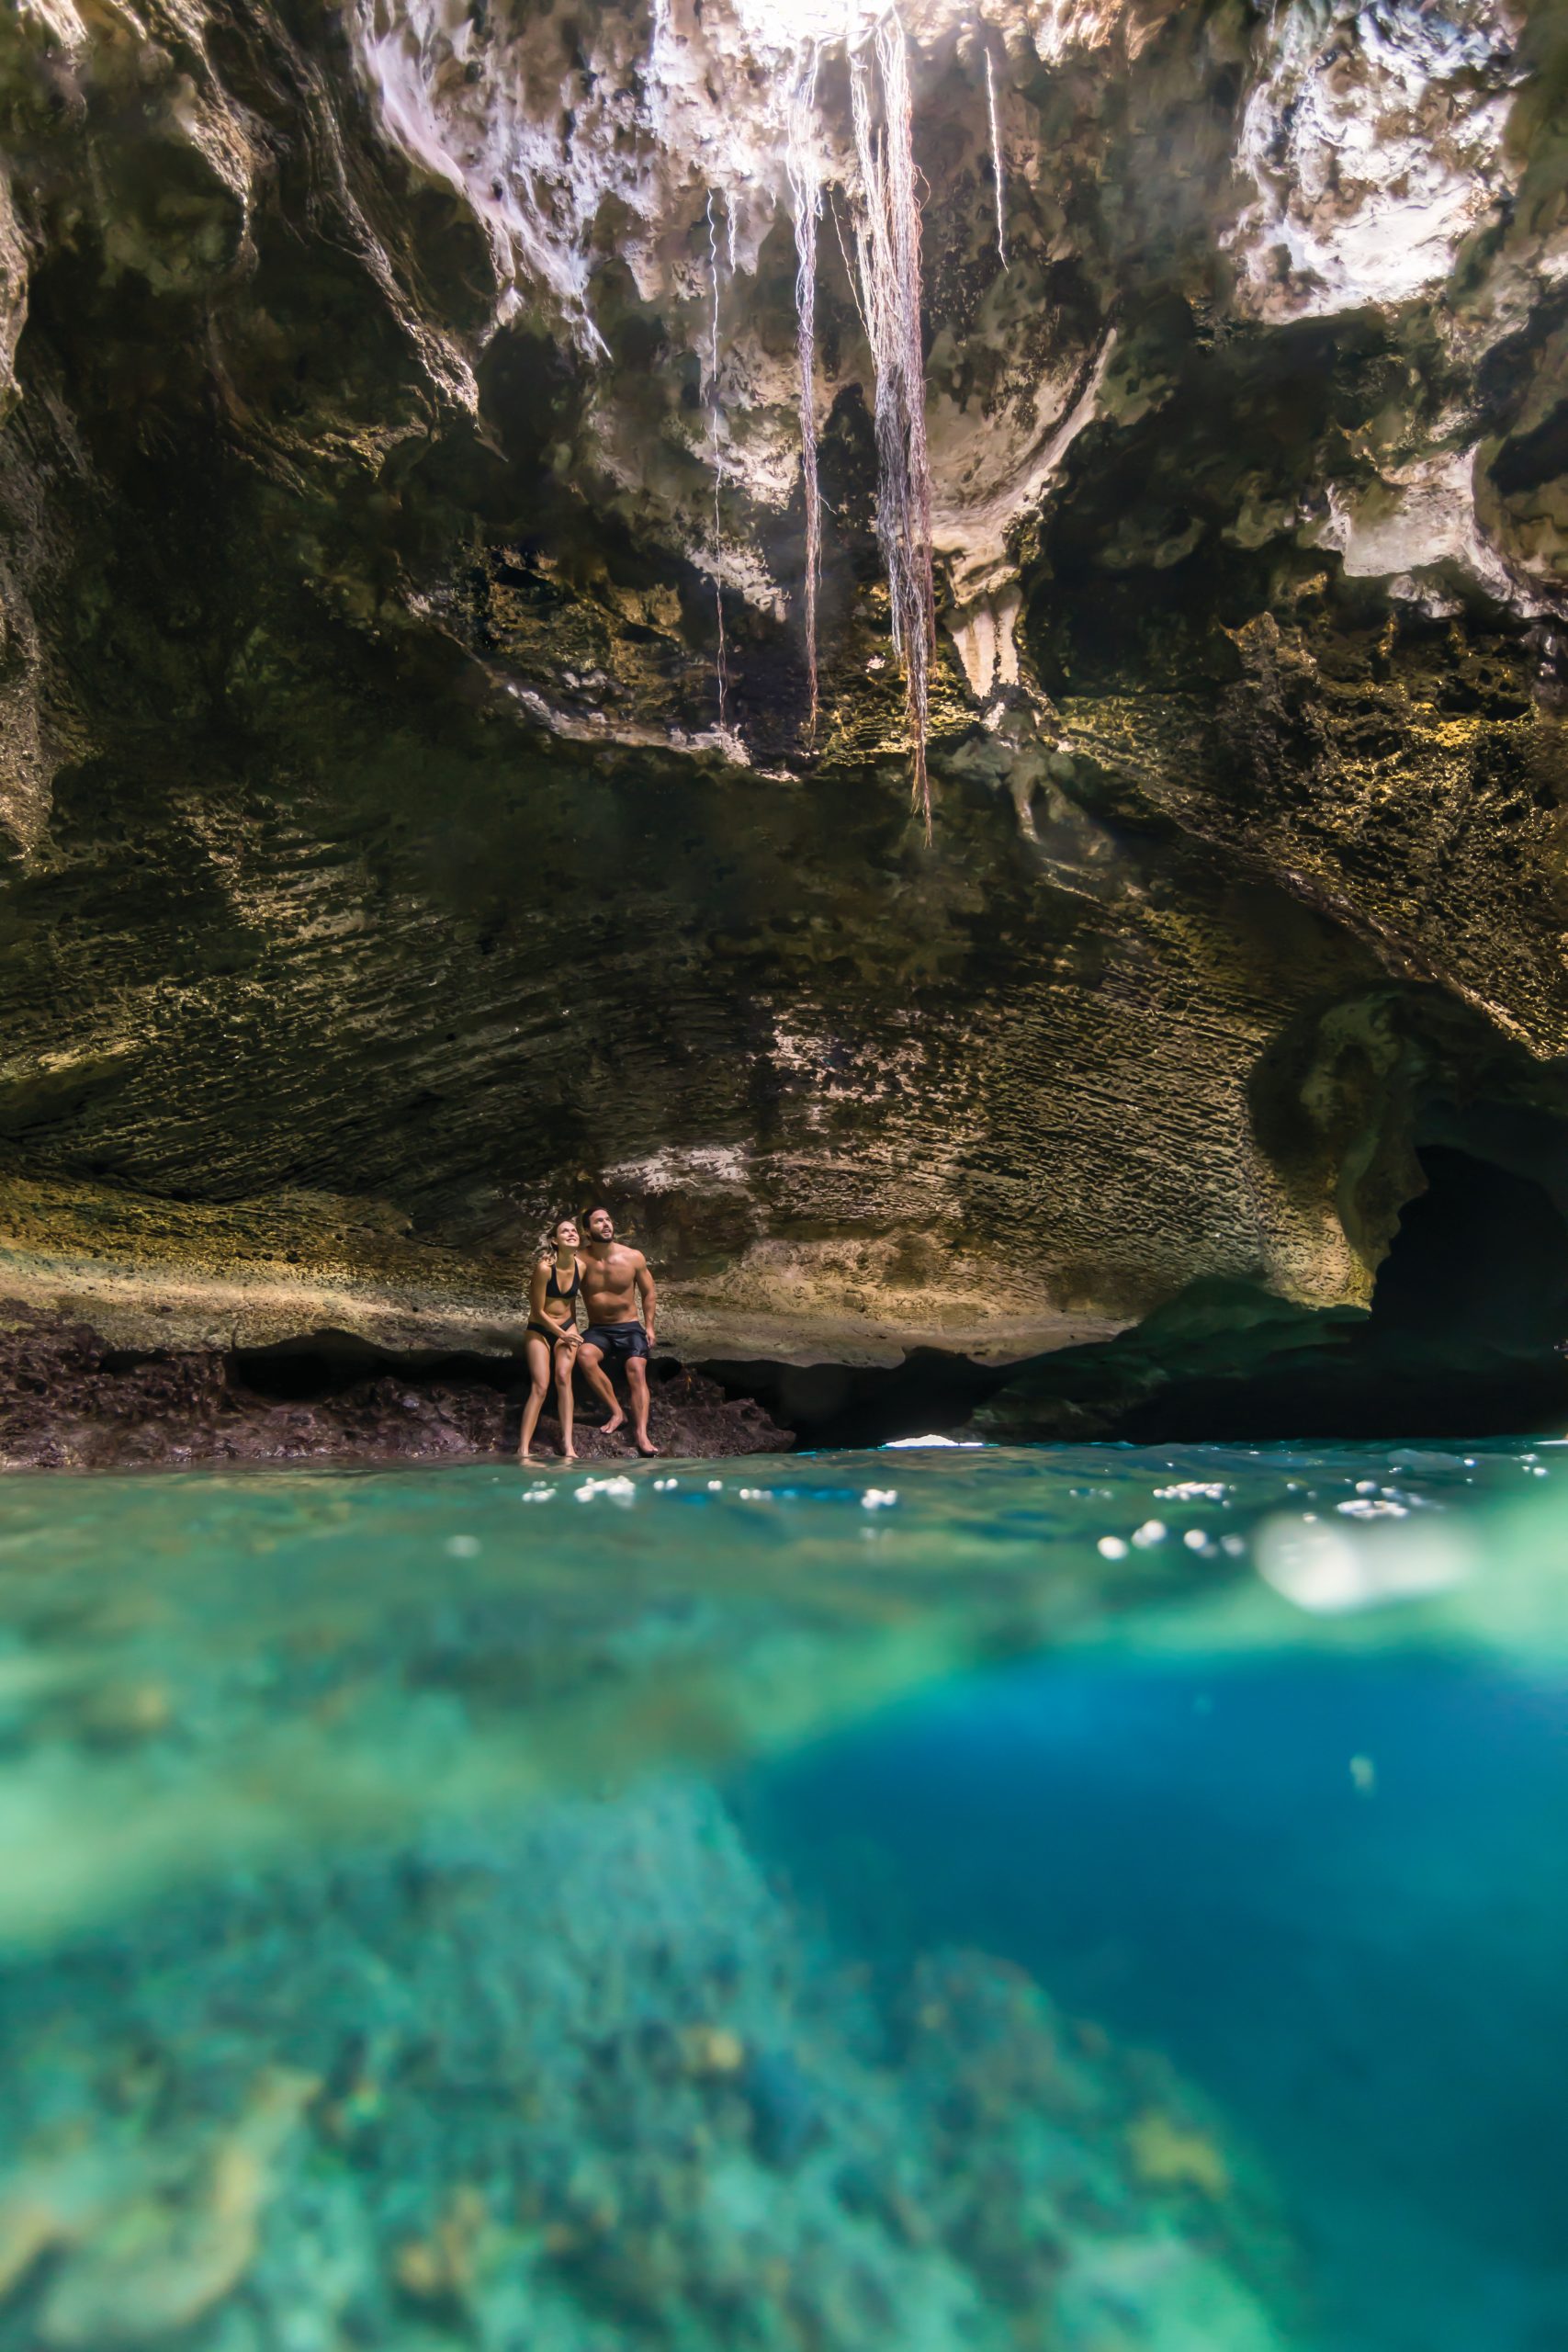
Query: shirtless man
x=614, y=1279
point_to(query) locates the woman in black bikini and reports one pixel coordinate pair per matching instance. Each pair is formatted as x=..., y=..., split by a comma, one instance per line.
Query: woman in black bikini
x=551, y=1337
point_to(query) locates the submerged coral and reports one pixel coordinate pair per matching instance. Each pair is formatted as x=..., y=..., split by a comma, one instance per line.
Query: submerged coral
x=584, y=2081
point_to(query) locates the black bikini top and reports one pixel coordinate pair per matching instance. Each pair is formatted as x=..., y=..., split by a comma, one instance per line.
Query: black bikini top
x=554, y=1289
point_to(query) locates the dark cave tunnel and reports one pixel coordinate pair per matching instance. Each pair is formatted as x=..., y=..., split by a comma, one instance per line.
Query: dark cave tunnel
x=1479, y=1264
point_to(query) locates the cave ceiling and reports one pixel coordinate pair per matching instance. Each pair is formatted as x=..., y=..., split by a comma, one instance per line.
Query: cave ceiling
x=411, y=810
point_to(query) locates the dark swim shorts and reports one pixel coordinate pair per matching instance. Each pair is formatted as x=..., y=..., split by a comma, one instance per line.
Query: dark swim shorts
x=617, y=1342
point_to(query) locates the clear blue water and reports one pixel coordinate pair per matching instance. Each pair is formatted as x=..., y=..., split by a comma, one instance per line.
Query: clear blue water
x=1075, y=1897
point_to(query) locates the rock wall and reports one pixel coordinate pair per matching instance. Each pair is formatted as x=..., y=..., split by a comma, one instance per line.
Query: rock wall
x=380, y=874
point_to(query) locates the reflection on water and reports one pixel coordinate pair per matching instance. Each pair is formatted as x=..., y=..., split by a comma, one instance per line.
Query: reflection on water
x=1088, y=1898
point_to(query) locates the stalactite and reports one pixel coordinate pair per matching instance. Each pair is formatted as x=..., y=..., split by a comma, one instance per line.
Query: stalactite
x=887, y=241
x=997, y=166
x=720, y=659
x=806, y=196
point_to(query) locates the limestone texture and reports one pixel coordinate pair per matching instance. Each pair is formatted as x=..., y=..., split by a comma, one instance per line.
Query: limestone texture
x=394, y=397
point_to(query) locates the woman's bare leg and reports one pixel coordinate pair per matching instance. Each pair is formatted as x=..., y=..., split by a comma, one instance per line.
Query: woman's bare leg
x=565, y=1358
x=536, y=1355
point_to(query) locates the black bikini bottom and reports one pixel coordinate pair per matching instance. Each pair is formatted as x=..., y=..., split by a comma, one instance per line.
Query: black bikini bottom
x=554, y=1332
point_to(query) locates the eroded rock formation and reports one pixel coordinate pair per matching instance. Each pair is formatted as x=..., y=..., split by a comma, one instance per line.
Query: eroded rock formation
x=381, y=875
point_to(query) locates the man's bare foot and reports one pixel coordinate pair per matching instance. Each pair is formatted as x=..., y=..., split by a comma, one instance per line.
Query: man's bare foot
x=645, y=1445
x=611, y=1427
x=569, y=1454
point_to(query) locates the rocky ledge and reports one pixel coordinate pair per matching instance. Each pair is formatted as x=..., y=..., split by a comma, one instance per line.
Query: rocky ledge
x=68, y=1401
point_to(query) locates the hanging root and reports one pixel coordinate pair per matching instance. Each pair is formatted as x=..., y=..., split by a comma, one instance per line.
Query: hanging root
x=997, y=167
x=887, y=252
x=721, y=665
x=905, y=215
x=805, y=197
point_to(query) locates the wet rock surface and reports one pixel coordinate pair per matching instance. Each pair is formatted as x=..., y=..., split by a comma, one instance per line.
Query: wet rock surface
x=68, y=1402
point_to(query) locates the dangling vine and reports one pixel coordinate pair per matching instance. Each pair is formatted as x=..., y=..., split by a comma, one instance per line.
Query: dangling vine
x=997, y=167
x=721, y=665
x=805, y=197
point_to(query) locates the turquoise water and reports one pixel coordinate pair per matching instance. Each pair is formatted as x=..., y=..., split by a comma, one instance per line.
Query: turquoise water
x=1091, y=1897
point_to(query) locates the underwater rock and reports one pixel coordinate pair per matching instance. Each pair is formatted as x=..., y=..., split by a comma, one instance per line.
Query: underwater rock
x=1169, y=2156
x=785, y=2106
x=502, y=2005
x=145, y=2271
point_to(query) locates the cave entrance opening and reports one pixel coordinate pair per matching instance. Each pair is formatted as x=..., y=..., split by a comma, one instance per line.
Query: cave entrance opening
x=1478, y=1269
x=1467, y=1321
x=1470, y=1312
x=1464, y=1338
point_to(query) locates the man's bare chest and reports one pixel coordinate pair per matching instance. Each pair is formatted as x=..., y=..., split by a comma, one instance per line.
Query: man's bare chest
x=610, y=1277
